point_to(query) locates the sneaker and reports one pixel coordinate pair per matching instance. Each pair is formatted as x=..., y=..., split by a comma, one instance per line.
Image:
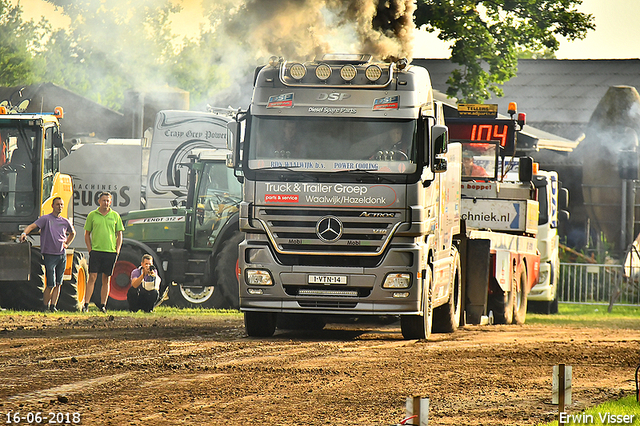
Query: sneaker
x=103, y=309
x=53, y=309
x=85, y=308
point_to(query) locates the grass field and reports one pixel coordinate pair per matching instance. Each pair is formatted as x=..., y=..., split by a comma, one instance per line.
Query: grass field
x=627, y=317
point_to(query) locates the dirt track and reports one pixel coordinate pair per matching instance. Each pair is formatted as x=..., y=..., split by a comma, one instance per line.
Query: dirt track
x=156, y=370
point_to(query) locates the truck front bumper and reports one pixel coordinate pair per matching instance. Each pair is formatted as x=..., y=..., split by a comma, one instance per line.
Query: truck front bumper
x=362, y=294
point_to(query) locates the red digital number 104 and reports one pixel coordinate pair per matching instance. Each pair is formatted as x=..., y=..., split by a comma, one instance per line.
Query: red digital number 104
x=489, y=132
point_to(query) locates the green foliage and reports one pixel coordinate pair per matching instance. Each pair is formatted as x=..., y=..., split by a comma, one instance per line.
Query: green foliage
x=487, y=37
x=111, y=47
x=18, y=41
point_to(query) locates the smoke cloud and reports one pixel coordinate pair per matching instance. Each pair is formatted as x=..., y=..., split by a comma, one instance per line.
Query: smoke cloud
x=303, y=29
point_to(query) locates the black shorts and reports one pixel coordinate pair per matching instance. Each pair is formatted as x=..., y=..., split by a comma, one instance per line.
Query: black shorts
x=102, y=262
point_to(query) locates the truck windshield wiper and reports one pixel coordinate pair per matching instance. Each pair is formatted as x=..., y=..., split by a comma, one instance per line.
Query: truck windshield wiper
x=378, y=176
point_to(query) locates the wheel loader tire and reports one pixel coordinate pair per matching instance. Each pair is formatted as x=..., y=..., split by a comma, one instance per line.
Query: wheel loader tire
x=28, y=295
x=446, y=318
x=227, y=293
x=73, y=290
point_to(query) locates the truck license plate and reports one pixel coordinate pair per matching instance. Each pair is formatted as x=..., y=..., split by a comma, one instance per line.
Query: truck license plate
x=327, y=279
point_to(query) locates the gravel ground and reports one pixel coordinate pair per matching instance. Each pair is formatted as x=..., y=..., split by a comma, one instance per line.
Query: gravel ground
x=166, y=370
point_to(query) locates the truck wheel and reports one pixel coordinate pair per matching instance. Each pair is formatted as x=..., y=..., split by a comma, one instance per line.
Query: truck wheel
x=260, y=324
x=553, y=305
x=446, y=318
x=128, y=260
x=520, y=298
x=28, y=295
x=501, y=304
x=73, y=290
x=227, y=293
x=419, y=326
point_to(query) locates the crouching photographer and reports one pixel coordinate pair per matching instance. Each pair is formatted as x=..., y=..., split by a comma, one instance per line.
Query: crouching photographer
x=145, y=286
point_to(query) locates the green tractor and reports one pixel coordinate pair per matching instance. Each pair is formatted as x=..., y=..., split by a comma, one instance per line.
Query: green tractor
x=194, y=245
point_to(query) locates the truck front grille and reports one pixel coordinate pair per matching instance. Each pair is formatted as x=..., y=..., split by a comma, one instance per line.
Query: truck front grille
x=295, y=231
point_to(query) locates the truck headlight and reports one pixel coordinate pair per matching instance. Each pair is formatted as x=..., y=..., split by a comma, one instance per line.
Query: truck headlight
x=258, y=277
x=396, y=280
x=544, y=275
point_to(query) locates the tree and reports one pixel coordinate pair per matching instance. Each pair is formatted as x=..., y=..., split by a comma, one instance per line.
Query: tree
x=487, y=36
x=18, y=39
x=112, y=47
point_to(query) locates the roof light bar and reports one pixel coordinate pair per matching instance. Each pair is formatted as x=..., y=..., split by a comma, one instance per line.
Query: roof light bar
x=323, y=72
x=298, y=71
x=373, y=73
x=348, y=72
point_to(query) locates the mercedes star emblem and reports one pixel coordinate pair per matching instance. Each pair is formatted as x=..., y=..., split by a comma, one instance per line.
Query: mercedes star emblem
x=329, y=229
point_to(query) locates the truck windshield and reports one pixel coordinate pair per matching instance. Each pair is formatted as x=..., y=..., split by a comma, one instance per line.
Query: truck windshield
x=479, y=160
x=330, y=144
x=18, y=189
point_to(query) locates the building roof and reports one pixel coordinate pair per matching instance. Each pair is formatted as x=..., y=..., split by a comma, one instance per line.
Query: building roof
x=82, y=117
x=558, y=95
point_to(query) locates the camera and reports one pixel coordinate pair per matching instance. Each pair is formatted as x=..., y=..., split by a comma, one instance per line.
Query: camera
x=152, y=267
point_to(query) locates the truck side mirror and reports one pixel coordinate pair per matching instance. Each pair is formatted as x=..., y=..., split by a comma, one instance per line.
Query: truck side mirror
x=176, y=179
x=563, y=199
x=563, y=216
x=525, y=169
x=439, y=145
x=233, y=128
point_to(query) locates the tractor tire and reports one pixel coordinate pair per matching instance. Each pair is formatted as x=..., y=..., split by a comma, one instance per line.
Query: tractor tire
x=446, y=318
x=73, y=290
x=128, y=260
x=227, y=291
x=419, y=326
x=188, y=297
x=520, y=297
x=501, y=304
x=260, y=324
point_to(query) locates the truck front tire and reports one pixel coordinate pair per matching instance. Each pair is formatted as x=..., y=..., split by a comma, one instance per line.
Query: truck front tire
x=446, y=318
x=419, y=326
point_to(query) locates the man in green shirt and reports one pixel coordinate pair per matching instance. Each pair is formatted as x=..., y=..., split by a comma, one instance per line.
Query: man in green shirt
x=103, y=237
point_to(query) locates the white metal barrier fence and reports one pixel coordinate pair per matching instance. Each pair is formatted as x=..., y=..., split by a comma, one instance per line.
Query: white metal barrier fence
x=597, y=283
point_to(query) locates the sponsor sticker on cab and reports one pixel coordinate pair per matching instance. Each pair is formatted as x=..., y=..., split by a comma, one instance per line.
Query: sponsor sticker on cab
x=281, y=101
x=388, y=102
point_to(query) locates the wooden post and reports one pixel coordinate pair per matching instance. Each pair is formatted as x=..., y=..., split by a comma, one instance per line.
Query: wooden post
x=560, y=388
x=419, y=407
